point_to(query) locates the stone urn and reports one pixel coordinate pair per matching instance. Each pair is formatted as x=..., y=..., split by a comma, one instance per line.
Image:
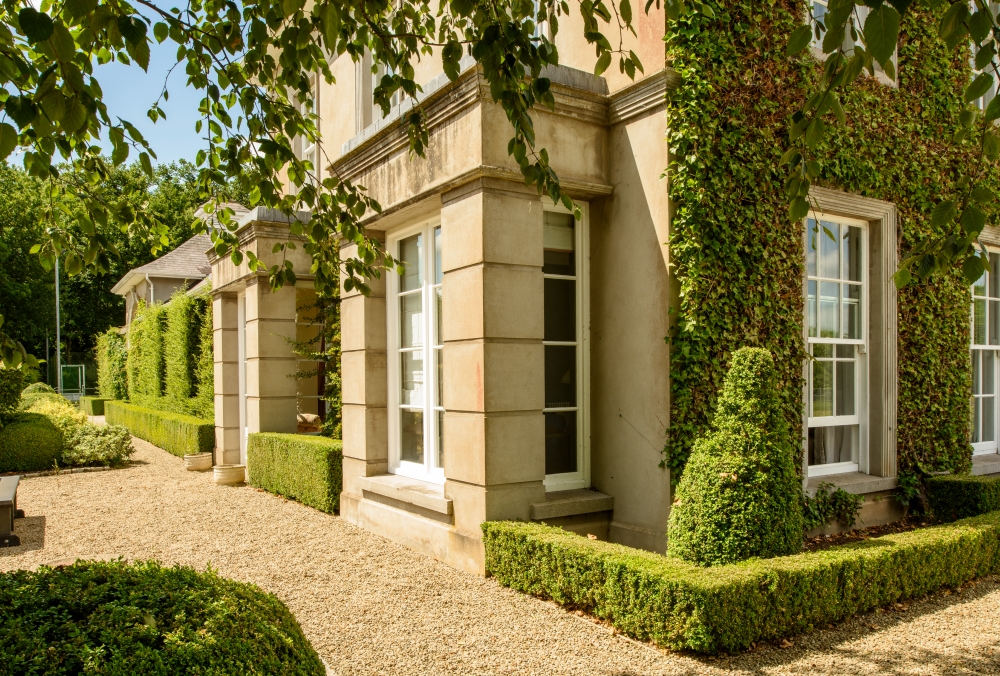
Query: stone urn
x=198, y=462
x=230, y=475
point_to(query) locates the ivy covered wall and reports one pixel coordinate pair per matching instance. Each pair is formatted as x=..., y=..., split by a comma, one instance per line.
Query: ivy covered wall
x=738, y=257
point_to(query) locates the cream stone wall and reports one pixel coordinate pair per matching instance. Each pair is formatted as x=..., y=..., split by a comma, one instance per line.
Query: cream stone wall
x=630, y=360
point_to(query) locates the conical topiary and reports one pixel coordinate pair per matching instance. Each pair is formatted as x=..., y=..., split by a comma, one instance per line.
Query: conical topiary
x=740, y=496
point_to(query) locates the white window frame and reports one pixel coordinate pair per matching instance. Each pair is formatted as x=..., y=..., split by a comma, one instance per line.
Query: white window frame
x=862, y=381
x=985, y=447
x=428, y=471
x=581, y=477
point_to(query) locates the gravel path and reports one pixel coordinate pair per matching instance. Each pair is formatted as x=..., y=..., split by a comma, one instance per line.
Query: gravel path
x=370, y=606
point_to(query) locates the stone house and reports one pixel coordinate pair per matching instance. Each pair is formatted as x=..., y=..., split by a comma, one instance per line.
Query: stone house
x=518, y=369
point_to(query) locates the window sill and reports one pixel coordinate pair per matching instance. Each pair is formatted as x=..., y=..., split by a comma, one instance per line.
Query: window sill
x=853, y=482
x=985, y=464
x=411, y=491
x=570, y=503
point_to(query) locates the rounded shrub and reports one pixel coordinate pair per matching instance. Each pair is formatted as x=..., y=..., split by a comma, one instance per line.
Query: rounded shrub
x=29, y=400
x=740, y=496
x=143, y=618
x=35, y=388
x=29, y=443
x=89, y=444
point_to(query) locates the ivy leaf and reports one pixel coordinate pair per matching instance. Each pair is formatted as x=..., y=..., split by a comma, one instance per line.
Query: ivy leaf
x=978, y=87
x=799, y=40
x=991, y=145
x=943, y=213
x=35, y=25
x=881, y=31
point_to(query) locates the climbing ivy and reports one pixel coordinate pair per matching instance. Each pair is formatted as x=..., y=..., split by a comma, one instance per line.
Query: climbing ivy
x=739, y=259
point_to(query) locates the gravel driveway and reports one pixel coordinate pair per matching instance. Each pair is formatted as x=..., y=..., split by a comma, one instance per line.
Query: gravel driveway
x=370, y=606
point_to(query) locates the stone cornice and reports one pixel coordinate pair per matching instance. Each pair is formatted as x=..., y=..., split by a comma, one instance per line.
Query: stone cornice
x=642, y=97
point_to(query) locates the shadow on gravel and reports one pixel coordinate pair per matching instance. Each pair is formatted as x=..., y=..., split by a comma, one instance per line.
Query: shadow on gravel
x=31, y=530
x=824, y=645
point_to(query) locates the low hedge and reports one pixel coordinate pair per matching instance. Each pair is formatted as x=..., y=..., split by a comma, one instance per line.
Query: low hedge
x=30, y=442
x=29, y=399
x=726, y=608
x=301, y=467
x=173, y=432
x=957, y=497
x=142, y=618
x=92, y=405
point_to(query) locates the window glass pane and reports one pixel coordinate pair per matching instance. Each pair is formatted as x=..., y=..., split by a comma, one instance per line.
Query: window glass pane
x=411, y=436
x=823, y=351
x=410, y=250
x=845, y=351
x=845, y=388
x=560, y=376
x=829, y=250
x=438, y=274
x=988, y=384
x=979, y=321
x=560, y=442
x=976, y=422
x=822, y=388
x=829, y=310
x=560, y=310
x=440, y=421
x=979, y=288
x=439, y=357
x=811, y=246
x=411, y=320
x=994, y=322
x=977, y=365
x=559, y=242
x=811, y=308
x=833, y=444
x=412, y=385
x=852, y=253
x=438, y=340
x=995, y=277
x=852, y=311
x=989, y=424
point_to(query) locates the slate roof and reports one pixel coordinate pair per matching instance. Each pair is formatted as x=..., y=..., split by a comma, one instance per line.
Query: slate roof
x=188, y=261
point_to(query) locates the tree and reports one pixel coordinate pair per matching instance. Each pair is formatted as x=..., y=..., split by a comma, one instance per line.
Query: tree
x=873, y=43
x=253, y=61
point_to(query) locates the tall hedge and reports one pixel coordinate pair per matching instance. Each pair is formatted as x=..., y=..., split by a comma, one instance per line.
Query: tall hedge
x=203, y=404
x=145, y=361
x=112, y=379
x=740, y=496
x=740, y=260
x=180, y=346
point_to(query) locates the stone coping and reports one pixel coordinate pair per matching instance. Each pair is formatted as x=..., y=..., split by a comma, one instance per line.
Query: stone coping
x=411, y=491
x=52, y=472
x=853, y=482
x=986, y=464
x=570, y=503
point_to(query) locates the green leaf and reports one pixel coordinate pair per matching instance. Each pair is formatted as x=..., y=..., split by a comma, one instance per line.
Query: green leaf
x=980, y=24
x=901, y=278
x=991, y=145
x=992, y=109
x=973, y=220
x=62, y=42
x=36, y=26
x=140, y=52
x=77, y=9
x=838, y=110
x=799, y=40
x=972, y=268
x=943, y=213
x=625, y=8
x=985, y=55
x=8, y=140
x=983, y=195
x=978, y=87
x=791, y=154
x=967, y=118
x=160, y=31
x=798, y=208
x=952, y=26
x=602, y=63
x=147, y=166
x=815, y=132
x=881, y=31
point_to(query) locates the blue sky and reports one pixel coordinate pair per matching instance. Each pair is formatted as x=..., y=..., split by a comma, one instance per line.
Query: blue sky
x=128, y=93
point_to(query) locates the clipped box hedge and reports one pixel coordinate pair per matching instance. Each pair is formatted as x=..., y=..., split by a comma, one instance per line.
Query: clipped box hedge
x=92, y=405
x=30, y=442
x=957, y=497
x=142, y=618
x=173, y=432
x=679, y=605
x=298, y=466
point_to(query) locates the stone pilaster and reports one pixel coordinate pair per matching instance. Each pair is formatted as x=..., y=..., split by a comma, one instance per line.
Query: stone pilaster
x=227, y=378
